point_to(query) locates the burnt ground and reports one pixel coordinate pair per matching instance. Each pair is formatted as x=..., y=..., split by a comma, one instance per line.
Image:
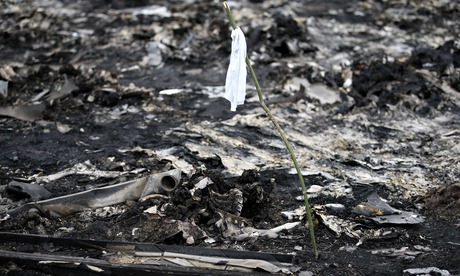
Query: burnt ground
x=134, y=89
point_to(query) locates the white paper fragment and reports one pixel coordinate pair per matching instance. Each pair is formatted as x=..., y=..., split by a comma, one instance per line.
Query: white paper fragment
x=152, y=210
x=210, y=240
x=235, y=83
x=63, y=128
x=171, y=91
x=335, y=206
x=347, y=83
x=203, y=183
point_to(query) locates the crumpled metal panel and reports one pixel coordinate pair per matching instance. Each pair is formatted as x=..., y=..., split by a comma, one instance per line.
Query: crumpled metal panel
x=158, y=183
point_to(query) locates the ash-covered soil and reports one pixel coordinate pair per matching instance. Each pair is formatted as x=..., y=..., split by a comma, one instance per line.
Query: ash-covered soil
x=367, y=92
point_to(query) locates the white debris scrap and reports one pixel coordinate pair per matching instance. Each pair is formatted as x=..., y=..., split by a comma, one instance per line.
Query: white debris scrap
x=427, y=271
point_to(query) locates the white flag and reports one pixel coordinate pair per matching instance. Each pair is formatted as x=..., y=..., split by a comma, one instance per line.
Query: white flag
x=235, y=84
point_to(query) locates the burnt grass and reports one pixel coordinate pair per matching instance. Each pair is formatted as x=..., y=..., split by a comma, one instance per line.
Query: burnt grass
x=41, y=44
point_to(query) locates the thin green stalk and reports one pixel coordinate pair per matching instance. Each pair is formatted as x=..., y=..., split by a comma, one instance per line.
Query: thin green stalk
x=283, y=136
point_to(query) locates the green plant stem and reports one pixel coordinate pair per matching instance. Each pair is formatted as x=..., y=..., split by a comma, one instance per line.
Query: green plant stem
x=283, y=136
